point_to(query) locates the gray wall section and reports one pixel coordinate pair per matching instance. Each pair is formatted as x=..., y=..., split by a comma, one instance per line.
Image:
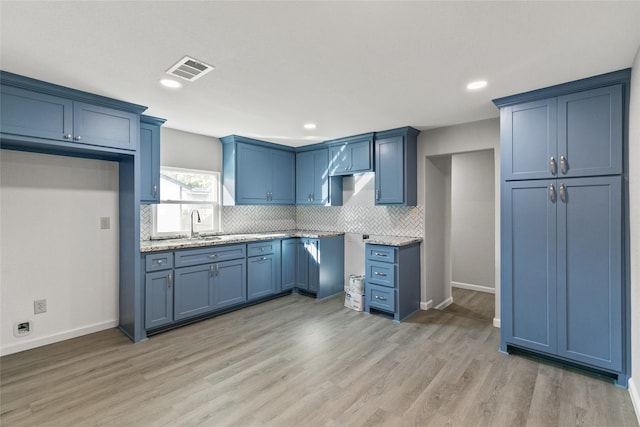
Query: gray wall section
x=473, y=219
x=187, y=150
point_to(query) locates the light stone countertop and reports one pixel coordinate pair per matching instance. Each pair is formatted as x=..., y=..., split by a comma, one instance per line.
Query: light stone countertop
x=392, y=240
x=227, y=239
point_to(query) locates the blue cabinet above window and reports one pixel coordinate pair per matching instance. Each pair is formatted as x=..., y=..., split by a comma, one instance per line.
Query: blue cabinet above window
x=257, y=173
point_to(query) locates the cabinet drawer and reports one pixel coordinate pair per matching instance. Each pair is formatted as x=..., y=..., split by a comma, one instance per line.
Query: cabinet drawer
x=207, y=255
x=380, y=297
x=381, y=253
x=381, y=273
x=262, y=248
x=157, y=262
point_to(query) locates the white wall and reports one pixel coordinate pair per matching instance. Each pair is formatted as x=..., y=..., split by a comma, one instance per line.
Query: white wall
x=181, y=149
x=472, y=220
x=634, y=208
x=474, y=136
x=52, y=247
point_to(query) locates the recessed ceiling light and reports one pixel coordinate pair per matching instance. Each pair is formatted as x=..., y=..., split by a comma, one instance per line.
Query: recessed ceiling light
x=170, y=83
x=478, y=84
x=310, y=126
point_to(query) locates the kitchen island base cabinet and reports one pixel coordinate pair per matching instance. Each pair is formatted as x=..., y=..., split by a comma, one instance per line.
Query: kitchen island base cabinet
x=392, y=280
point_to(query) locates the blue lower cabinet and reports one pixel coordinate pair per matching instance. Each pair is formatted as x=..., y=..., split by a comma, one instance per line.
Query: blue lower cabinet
x=562, y=269
x=392, y=279
x=261, y=276
x=158, y=308
x=229, y=283
x=194, y=291
x=288, y=263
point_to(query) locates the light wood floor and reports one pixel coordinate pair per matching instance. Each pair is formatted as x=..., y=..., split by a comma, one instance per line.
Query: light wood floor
x=297, y=362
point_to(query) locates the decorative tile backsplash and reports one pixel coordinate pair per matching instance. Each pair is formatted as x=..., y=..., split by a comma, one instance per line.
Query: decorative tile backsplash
x=384, y=220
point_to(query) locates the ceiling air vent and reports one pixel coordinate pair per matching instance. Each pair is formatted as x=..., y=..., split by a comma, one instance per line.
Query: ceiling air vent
x=189, y=69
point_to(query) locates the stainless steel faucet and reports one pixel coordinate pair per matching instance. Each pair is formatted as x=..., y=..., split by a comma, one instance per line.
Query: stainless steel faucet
x=192, y=234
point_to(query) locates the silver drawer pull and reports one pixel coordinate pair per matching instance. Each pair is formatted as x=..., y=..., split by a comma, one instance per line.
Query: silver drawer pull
x=380, y=254
x=160, y=261
x=213, y=256
x=378, y=297
x=377, y=273
x=563, y=165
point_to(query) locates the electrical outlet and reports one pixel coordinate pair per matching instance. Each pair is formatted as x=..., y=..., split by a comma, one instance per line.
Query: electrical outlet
x=105, y=222
x=20, y=329
x=40, y=306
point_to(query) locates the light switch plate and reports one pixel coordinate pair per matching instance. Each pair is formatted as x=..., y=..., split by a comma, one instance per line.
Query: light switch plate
x=105, y=222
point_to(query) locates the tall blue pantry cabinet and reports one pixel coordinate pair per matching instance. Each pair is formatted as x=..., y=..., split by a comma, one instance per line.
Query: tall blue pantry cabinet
x=564, y=223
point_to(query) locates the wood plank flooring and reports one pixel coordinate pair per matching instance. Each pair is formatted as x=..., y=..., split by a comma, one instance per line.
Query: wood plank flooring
x=297, y=362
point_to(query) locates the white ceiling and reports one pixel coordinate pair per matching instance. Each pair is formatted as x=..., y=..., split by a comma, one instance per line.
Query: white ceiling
x=350, y=67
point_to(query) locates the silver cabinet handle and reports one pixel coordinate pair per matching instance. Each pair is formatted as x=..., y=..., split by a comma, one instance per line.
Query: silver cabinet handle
x=563, y=165
x=378, y=297
x=380, y=254
x=155, y=189
x=377, y=194
x=377, y=273
x=68, y=136
x=169, y=280
x=563, y=193
x=77, y=138
x=159, y=261
x=212, y=256
x=262, y=258
x=552, y=165
x=211, y=270
x=552, y=193
x=217, y=269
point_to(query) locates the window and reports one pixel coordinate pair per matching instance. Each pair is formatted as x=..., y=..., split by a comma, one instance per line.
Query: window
x=183, y=191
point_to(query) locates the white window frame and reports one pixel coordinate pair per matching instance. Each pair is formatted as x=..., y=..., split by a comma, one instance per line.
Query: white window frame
x=216, y=205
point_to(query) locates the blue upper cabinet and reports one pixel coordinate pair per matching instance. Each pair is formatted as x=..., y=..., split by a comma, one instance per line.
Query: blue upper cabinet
x=396, y=167
x=314, y=186
x=590, y=132
x=576, y=134
x=37, y=111
x=351, y=155
x=528, y=140
x=257, y=173
x=150, y=159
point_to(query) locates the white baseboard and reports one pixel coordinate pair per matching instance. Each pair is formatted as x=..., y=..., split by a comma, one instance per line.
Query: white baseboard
x=496, y=322
x=62, y=336
x=444, y=304
x=473, y=287
x=635, y=397
x=426, y=305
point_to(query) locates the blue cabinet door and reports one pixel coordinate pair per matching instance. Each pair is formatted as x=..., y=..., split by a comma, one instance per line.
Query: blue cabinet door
x=590, y=127
x=261, y=276
x=149, y=163
x=528, y=140
x=104, y=126
x=229, y=282
x=289, y=247
x=302, y=264
x=361, y=158
x=313, y=258
x=35, y=114
x=390, y=177
x=158, y=297
x=352, y=157
x=528, y=245
x=282, y=189
x=304, y=177
x=193, y=291
x=253, y=175
x=590, y=271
